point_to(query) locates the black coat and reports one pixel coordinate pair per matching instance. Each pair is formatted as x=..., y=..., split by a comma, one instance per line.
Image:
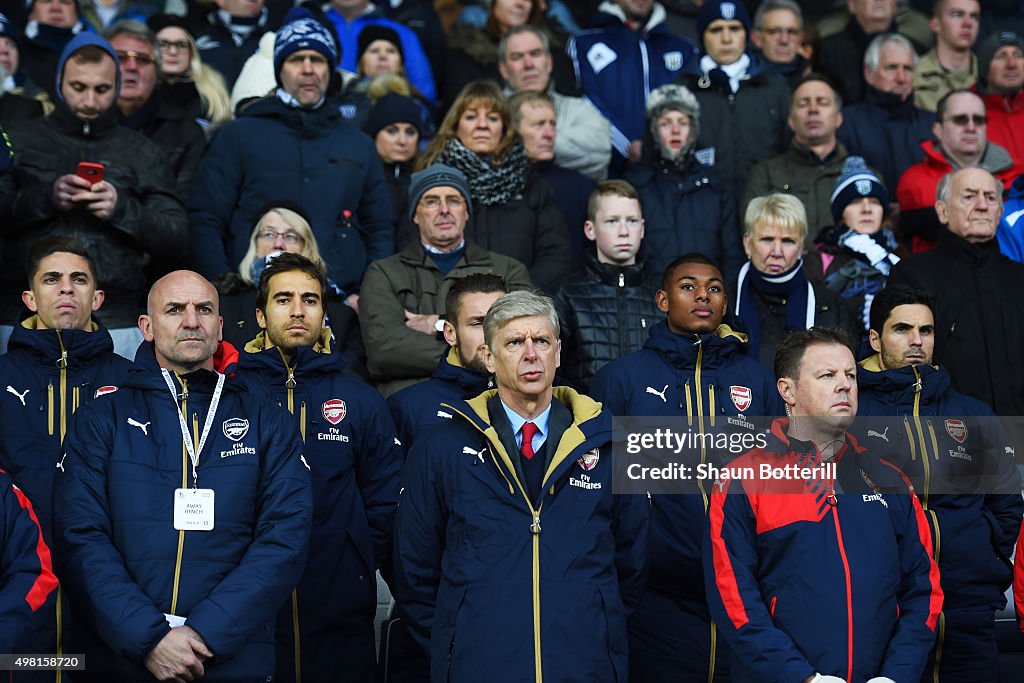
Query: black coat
x=979, y=317
x=687, y=210
x=605, y=312
x=742, y=128
x=572, y=192
x=148, y=220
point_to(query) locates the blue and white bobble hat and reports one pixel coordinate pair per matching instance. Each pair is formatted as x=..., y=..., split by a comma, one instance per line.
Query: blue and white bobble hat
x=856, y=180
x=303, y=34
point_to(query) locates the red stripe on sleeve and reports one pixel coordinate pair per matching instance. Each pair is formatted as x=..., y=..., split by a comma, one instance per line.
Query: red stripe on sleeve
x=725, y=577
x=46, y=582
x=935, y=603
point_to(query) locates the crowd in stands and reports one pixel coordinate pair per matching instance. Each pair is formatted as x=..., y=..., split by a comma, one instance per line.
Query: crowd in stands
x=768, y=166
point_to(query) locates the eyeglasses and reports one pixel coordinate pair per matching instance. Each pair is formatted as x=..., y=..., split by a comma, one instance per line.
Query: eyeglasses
x=962, y=119
x=172, y=45
x=778, y=32
x=434, y=203
x=143, y=58
x=292, y=239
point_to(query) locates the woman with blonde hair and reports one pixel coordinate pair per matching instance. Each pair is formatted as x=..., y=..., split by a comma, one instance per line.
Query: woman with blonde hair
x=187, y=80
x=513, y=212
x=283, y=227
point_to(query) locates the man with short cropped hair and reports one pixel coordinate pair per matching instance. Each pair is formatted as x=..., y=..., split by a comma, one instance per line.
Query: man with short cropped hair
x=961, y=141
x=691, y=365
x=350, y=445
x=583, y=139
x=959, y=459
x=779, y=35
x=950, y=65
x=58, y=359
x=886, y=128
x=507, y=520
x=814, y=161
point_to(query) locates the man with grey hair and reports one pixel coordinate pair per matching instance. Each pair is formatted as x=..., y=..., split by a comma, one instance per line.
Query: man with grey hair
x=508, y=522
x=584, y=141
x=779, y=35
x=886, y=128
x=144, y=107
x=971, y=280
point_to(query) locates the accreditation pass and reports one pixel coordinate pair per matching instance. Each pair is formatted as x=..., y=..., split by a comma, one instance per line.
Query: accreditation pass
x=193, y=509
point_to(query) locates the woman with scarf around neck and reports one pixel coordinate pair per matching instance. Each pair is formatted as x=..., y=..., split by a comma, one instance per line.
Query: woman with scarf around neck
x=686, y=207
x=773, y=293
x=514, y=213
x=853, y=258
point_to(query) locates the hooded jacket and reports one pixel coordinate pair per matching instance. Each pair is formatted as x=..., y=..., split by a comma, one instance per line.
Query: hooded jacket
x=311, y=157
x=148, y=218
x=25, y=563
x=605, y=313
x=829, y=574
x=124, y=564
x=354, y=459
x=496, y=581
x=739, y=129
x=956, y=454
x=618, y=66
x=417, y=408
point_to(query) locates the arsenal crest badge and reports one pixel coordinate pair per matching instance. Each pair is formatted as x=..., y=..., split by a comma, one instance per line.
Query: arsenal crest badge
x=741, y=397
x=588, y=460
x=956, y=429
x=335, y=410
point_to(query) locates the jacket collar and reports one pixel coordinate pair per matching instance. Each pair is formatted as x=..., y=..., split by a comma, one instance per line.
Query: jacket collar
x=898, y=386
x=609, y=273
x=57, y=347
x=305, y=361
x=680, y=351
x=450, y=370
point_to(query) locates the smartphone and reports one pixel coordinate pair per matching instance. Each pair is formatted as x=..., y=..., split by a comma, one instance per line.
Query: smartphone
x=90, y=171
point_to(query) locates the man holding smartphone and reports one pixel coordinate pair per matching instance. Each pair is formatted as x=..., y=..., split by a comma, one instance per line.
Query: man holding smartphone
x=130, y=218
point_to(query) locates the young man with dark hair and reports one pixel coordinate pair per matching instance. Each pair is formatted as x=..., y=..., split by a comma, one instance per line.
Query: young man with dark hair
x=354, y=458
x=607, y=310
x=693, y=366
x=58, y=359
x=955, y=453
x=823, y=573
x=461, y=373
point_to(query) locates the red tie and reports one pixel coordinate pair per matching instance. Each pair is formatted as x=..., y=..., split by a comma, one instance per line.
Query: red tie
x=529, y=430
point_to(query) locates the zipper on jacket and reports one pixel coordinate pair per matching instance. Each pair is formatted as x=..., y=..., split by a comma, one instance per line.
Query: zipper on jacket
x=700, y=420
x=938, y=646
x=62, y=364
x=289, y=384
x=918, y=386
x=184, y=485
x=689, y=408
x=49, y=407
x=849, y=595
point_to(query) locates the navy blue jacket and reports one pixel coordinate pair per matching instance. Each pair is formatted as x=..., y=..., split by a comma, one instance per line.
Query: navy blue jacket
x=27, y=583
x=218, y=49
x=311, y=157
x=617, y=67
x=831, y=575
x=968, y=485
x=354, y=461
x=124, y=565
x=693, y=376
x=887, y=131
x=488, y=576
x=418, y=408
x=1010, y=232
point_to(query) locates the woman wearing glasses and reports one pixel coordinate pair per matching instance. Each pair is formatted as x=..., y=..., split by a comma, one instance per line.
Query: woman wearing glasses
x=283, y=227
x=185, y=78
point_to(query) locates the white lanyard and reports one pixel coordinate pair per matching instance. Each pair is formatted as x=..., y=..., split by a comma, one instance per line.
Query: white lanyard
x=193, y=452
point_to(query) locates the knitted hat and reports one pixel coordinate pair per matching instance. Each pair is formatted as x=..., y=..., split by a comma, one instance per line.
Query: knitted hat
x=393, y=108
x=856, y=180
x=373, y=32
x=158, y=22
x=673, y=97
x=710, y=11
x=8, y=29
x=987, y=50
x=433, y=176
x=304, y=34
